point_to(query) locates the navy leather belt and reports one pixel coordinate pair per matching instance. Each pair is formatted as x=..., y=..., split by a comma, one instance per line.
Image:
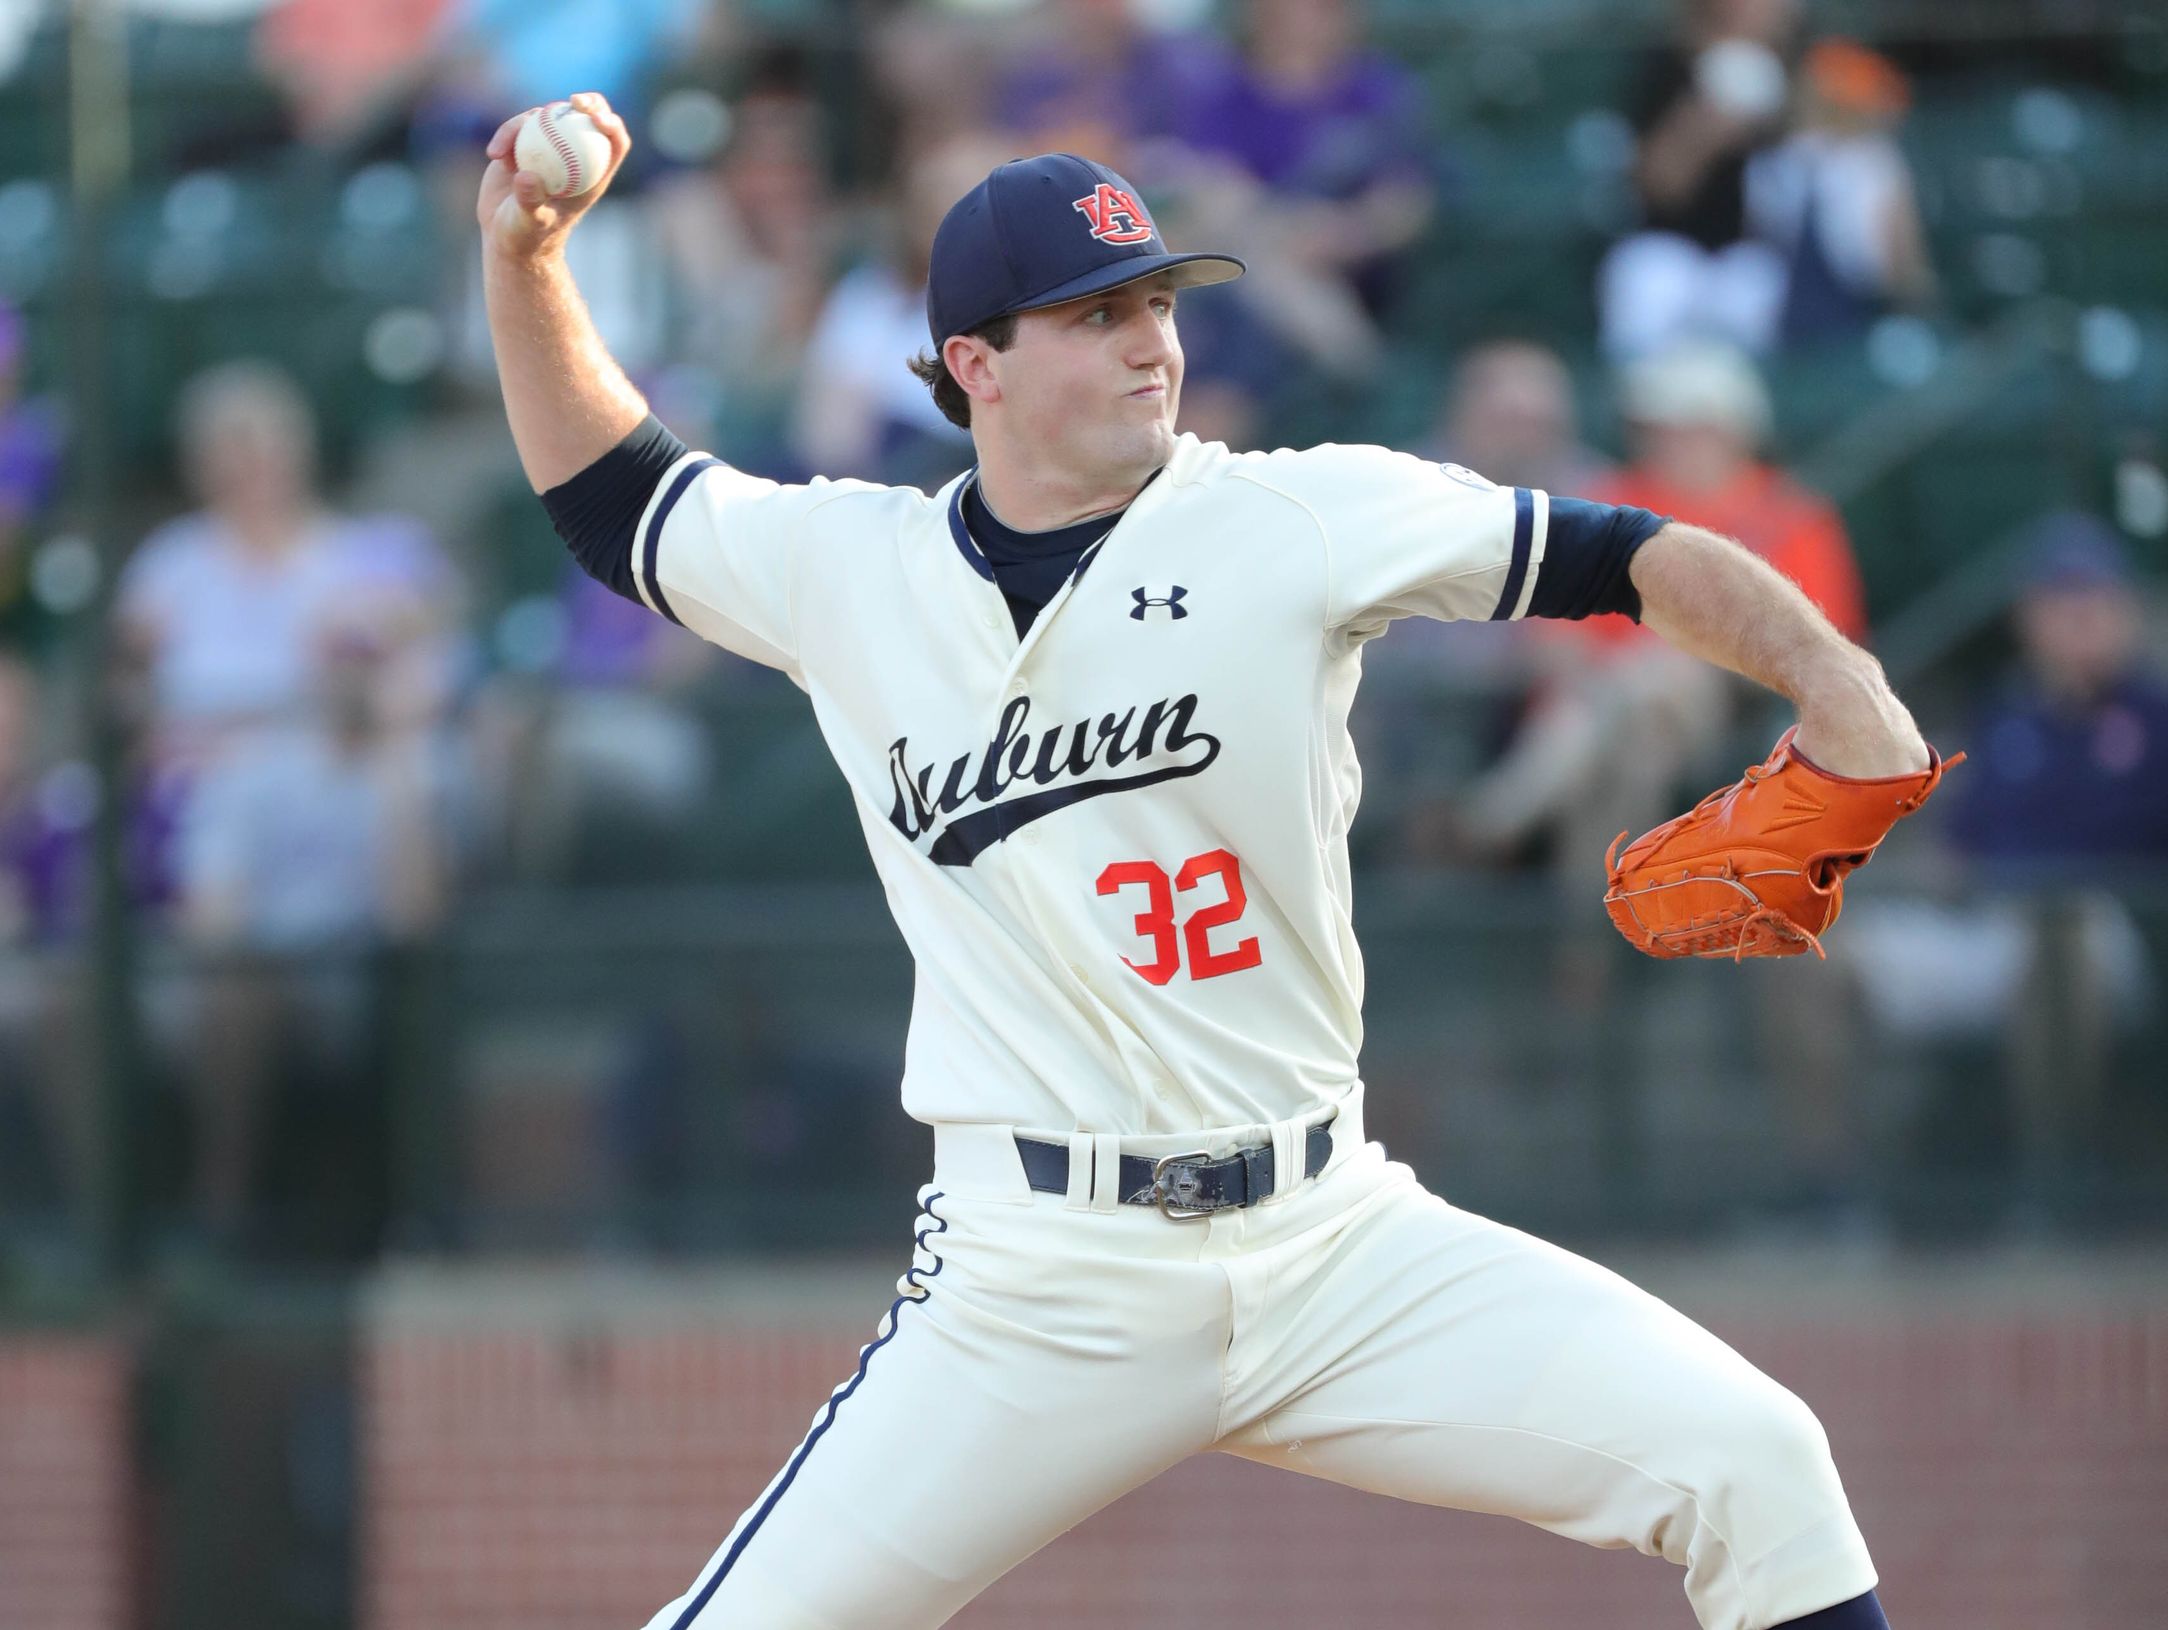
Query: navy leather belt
x=1191, y=1185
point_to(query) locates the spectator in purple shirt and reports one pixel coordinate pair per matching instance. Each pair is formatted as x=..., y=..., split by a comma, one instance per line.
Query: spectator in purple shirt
x=1310, y=159
x=1312, y=116
x=1098, y=80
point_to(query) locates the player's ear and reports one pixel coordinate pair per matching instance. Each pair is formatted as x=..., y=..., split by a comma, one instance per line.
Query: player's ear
x=970, y=362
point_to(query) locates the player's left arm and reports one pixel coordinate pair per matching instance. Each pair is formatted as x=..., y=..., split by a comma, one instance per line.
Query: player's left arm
x=1406, y=537
x=1715, y=599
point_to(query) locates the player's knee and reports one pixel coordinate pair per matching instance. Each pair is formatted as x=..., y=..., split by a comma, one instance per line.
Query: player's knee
x=1772, y=1537
x=1793, y=1436
x=1773, y=1466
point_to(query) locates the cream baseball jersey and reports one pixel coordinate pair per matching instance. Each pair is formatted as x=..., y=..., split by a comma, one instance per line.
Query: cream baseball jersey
x=1117, y=846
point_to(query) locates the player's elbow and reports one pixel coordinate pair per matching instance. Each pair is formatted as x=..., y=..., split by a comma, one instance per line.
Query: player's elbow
x=598, y=511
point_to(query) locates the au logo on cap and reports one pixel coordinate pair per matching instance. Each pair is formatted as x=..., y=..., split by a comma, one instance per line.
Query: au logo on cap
x=1115, y=215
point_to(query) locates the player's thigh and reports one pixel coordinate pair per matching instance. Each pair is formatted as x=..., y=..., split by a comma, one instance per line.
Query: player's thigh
x=1474, y=1366
x=980, y=1423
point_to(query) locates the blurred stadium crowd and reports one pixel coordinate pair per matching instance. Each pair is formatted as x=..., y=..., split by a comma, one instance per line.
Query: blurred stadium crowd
x=1877, y=289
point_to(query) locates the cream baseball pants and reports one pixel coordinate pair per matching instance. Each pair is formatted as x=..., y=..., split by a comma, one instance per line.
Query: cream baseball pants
x=1048, y=1353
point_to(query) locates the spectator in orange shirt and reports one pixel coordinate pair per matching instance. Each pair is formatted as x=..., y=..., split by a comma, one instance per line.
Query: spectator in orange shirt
x=1696, y=418
x=1615, y=718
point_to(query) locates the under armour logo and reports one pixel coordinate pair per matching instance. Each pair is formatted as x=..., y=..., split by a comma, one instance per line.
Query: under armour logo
x=1172, y=600
x=1115, y=215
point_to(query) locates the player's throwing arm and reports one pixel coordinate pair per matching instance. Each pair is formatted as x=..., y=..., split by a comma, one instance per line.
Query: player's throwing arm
x=567, y=399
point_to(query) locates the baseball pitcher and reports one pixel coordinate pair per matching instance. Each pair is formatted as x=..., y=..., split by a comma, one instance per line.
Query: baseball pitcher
x=1091, y=699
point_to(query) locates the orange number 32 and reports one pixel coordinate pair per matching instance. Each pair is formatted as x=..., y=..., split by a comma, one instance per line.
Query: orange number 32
x=1156, y=922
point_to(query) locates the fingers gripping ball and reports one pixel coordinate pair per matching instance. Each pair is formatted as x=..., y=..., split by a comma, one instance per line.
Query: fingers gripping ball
x=1758, y=868
x=564, y=147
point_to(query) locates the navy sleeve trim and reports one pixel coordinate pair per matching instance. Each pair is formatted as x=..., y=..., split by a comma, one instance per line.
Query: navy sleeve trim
x=1586, y=551
x=647, y=547
x=1524, y=529
x=597, y=512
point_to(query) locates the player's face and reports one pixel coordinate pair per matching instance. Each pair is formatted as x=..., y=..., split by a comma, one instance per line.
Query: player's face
x=1099, y=378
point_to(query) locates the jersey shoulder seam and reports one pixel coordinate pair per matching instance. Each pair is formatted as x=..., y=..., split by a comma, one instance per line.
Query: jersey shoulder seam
x=795, y=539
x=1256, y=478
x=797, y=555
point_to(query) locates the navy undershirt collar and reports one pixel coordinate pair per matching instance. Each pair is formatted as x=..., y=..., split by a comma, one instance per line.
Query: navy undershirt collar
x=1029, y=567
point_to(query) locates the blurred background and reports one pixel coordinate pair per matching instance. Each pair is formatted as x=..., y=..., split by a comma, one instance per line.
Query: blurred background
x=449, y=1029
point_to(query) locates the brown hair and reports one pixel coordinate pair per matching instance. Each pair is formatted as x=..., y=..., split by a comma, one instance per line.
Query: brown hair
x=933, y=372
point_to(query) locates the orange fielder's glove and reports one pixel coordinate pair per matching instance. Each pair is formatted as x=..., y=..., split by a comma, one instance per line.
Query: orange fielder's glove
x=1758, y=868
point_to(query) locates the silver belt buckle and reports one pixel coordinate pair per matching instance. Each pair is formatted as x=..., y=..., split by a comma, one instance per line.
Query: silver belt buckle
x=1168, y=1196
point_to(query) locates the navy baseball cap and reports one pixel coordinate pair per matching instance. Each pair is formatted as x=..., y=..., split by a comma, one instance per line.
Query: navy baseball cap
x=2070, y=549
x=1039, y=231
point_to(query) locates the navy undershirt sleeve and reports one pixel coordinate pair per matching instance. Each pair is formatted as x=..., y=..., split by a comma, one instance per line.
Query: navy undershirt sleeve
x=1585, y=553
x=597, y=511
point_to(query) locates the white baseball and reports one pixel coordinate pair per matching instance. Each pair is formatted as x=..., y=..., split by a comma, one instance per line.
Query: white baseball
x=564, y=147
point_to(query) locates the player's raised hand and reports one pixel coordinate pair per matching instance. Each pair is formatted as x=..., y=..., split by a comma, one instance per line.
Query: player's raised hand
x=518, y=214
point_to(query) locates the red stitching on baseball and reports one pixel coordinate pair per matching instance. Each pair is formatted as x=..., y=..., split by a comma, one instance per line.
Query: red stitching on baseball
x=564, y=151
